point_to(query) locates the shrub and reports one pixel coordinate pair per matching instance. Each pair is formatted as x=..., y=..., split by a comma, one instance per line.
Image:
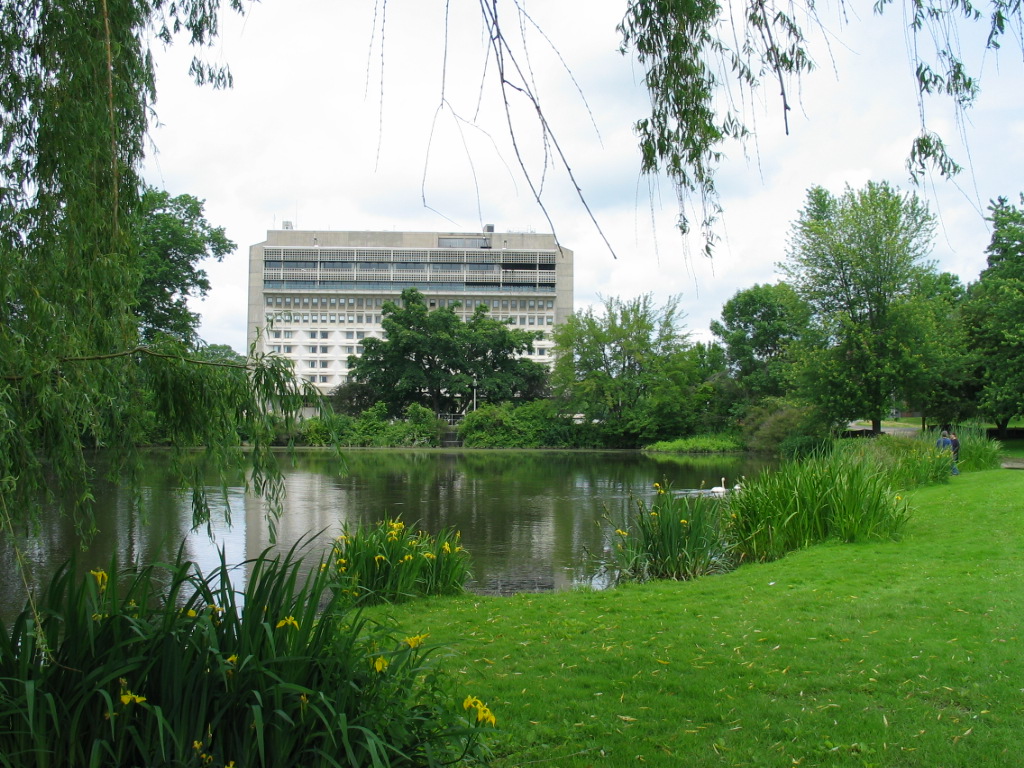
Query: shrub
x=390, y=563
x=166, y=666
x=536, y=424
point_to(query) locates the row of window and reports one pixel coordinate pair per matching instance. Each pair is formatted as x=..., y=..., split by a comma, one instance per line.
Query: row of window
x=359, y=302
x=317, y=334
x=296, y=317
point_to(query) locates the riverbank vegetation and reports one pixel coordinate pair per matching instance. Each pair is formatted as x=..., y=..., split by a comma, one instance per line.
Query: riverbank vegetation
x=877, y=653
x=167, y=666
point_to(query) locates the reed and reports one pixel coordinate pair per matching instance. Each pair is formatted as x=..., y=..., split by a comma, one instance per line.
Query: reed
x=167, y=666
x=843, y=494
x=674, y=537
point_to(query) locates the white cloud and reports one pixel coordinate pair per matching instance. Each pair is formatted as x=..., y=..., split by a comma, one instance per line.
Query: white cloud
x=310, y=134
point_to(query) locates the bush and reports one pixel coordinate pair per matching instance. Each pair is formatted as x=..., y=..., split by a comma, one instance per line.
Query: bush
x=374, y=428
x=777, y=422
x=537, y=424
x=166, y=666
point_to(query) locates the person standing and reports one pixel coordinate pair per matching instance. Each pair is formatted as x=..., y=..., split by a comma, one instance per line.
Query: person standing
x=955, y=447
x=945, y=443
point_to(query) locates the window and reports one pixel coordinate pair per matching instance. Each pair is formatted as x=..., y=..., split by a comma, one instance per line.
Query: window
x=325, y=363
x=317, y=301
x=305, y=318
x=359, y=302
x=350, y=334
x=311, y=363
x=323, y=349
x=270, y=301
x=531, y=304
x=350, y=350
x=334, y=318
x=312, y=349
x=551, y=304
x=551, y=320
x=312, y=334
x=360, y=334
x=359, y=349
x=323, y=379
x=288, y=334
x=532, y=320
x=276, y=334
x=288, y=348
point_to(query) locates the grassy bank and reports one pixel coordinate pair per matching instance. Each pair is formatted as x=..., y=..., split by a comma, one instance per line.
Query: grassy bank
x=887, y=654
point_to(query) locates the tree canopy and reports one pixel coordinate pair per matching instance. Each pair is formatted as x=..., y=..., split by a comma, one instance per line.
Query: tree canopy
x=433, y=358
x=75, y=375
x=173, y=236
x=628, y=367
x=994, y=313
x=858, y=260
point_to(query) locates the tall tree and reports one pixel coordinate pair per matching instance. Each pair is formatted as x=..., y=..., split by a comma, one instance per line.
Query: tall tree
x=995, y=316
x=435, y=359
x=174, y=236
x=858, y=260
x=624, y=366
x=759, y=327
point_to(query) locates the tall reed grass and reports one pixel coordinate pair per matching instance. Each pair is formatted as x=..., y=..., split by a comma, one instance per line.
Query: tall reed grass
x=390, y=563
x=167, y=666
x=675, y=537
x=846, y=494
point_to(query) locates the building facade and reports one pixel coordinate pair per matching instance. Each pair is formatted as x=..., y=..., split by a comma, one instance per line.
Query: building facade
x=315, y=295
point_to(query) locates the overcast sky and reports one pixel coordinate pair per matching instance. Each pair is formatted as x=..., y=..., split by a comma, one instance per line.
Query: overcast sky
x=328, y=129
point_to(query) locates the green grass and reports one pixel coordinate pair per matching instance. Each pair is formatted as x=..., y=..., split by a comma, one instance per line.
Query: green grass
x=1013, y=449
x=716, y=443
x=874, y=654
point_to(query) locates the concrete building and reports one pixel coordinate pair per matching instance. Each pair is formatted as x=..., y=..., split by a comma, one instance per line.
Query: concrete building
x=314, y=295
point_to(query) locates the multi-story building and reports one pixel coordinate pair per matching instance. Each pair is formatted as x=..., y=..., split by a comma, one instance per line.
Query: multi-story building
x=315, y=295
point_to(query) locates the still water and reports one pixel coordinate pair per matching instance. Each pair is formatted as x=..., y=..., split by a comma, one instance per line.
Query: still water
x=528, y=518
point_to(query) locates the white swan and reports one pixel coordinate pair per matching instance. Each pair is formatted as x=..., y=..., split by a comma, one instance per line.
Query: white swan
x=719, y=490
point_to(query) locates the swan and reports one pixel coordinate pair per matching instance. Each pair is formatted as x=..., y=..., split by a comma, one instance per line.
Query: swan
x=719, y=490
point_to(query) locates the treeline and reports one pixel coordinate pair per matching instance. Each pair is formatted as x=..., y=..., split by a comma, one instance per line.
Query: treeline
x=862, y=327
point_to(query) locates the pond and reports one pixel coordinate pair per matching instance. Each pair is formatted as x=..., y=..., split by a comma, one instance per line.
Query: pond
x=528, y=518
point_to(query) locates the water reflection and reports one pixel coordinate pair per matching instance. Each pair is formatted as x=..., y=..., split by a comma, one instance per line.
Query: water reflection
x=527, y=518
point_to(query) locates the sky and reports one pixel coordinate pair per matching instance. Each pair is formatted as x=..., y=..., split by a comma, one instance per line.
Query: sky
x=353, y=116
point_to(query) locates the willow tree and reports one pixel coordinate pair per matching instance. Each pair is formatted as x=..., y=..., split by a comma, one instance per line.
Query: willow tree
x=75, y=98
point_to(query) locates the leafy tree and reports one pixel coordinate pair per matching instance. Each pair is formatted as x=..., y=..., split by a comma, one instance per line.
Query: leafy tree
x=76, y=93
x=173, y=236
x=858, y=262
x=994, y=313
x=759, y=327
x=435, y=359
x=626, y=367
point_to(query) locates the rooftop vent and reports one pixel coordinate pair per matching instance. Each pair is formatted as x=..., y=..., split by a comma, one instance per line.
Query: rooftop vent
x=488, y=227
x=287, y=225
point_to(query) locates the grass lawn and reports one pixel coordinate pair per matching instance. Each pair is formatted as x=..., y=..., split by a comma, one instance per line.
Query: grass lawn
x=896, y=654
